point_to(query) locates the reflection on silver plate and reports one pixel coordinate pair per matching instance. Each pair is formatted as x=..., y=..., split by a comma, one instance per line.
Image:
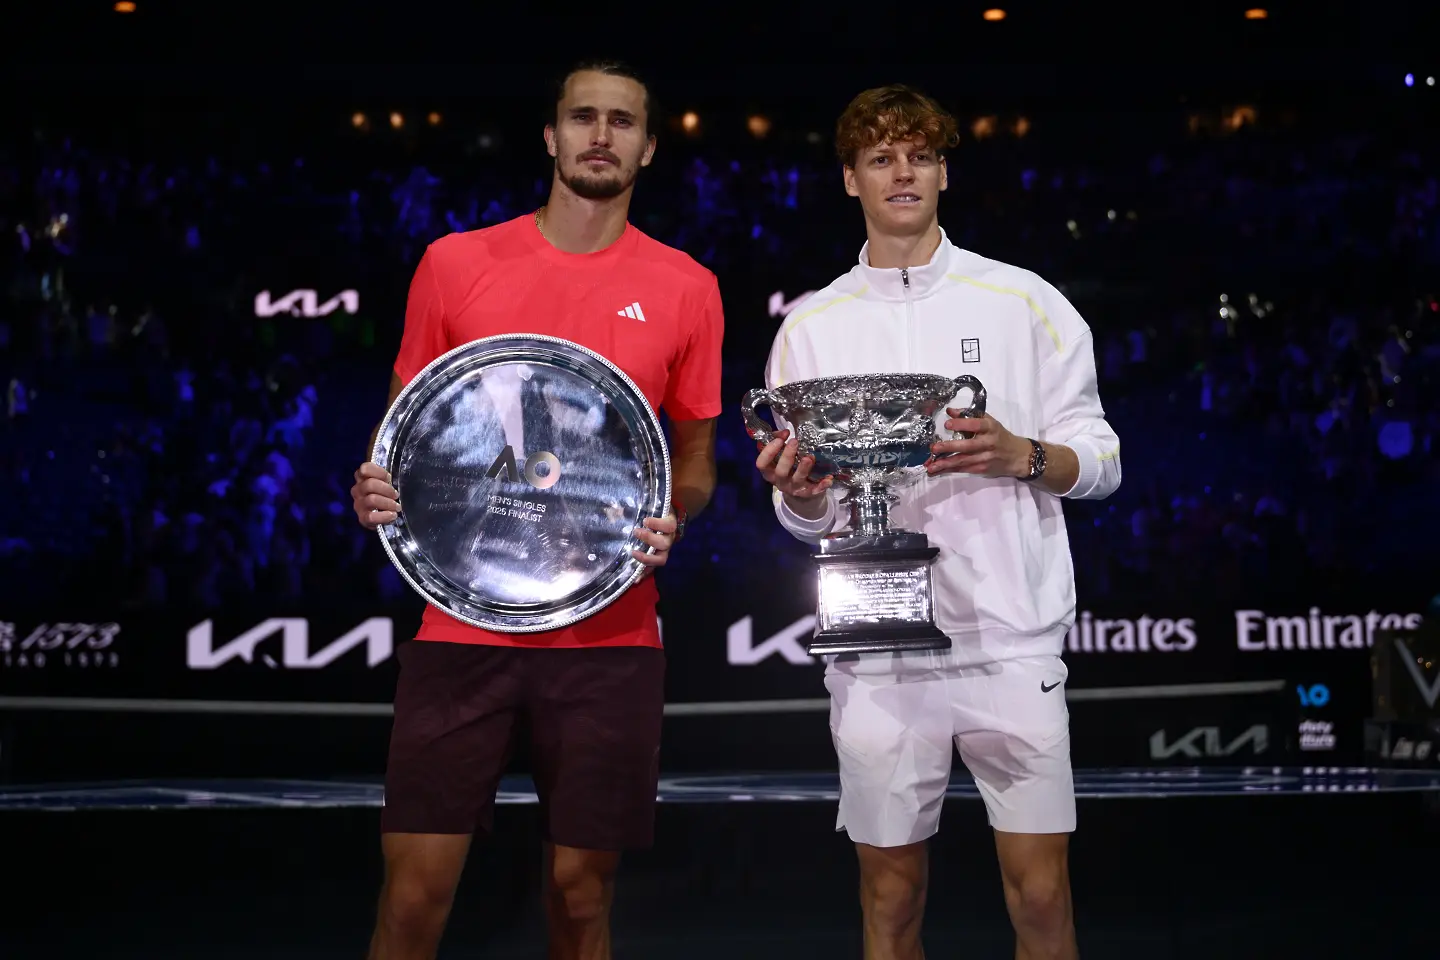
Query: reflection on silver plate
x=524, y=463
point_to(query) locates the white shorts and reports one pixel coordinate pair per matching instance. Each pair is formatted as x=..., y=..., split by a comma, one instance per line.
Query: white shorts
x=893, y=737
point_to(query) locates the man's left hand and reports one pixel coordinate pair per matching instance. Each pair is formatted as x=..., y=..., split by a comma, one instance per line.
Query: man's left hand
x=659, y=534
x=991, y=451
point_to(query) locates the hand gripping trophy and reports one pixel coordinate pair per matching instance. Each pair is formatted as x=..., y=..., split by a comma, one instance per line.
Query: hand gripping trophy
x=873, y=434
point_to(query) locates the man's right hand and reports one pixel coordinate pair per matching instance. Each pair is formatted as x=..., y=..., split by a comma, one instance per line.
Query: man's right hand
x=376, y=502
x=778, y=464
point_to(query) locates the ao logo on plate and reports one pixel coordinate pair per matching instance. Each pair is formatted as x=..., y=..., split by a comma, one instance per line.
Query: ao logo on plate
x=542, y=469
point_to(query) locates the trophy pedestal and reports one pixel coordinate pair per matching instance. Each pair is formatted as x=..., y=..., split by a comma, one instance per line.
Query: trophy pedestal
x=876, y=595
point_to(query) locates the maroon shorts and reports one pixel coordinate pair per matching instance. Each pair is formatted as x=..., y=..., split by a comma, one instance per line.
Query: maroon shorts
x=593, y=718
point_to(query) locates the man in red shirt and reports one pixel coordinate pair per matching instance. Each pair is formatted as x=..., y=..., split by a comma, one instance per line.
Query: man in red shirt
x=592, y=693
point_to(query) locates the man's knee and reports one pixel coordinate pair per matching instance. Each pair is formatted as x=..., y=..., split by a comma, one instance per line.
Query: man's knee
x=892, y=884
x=1039, y=900
x=414, y=907
x=895, y=902
x=580, y=883
x=421, y=874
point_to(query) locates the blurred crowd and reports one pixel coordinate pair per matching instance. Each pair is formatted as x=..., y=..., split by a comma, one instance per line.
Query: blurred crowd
x=1264, y=306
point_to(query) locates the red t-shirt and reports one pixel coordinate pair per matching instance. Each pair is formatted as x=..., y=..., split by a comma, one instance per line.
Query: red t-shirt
x=647, y=308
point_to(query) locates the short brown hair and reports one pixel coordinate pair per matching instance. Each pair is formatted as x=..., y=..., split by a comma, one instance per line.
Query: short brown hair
x=610, y=68
x=887, y=114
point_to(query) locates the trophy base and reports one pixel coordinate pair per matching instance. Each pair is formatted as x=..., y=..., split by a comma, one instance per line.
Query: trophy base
x=876, y=595
x=877, y=638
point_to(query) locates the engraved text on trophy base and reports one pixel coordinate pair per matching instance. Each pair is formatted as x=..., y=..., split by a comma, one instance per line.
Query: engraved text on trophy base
x=871, y=594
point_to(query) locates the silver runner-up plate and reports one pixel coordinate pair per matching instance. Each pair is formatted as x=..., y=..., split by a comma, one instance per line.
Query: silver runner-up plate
x=524, y=463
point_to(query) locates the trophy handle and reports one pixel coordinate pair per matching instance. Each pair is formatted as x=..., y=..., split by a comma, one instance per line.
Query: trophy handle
x=754, y=425
x=977, y=402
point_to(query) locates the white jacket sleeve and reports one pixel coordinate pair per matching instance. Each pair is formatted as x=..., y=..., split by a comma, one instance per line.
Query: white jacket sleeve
x=1072, y=414
x=807, y=531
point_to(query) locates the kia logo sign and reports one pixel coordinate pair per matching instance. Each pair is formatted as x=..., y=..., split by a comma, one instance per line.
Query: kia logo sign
x=376, y=636
x=305, y=303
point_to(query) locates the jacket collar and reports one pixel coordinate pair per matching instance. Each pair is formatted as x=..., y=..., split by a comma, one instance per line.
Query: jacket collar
x=889, y=283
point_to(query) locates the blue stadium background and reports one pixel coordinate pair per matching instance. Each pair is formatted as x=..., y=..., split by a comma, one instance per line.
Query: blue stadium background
x=1258, y=262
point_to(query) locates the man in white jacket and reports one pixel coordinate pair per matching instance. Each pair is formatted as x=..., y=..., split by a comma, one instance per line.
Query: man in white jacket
x=1004, y=581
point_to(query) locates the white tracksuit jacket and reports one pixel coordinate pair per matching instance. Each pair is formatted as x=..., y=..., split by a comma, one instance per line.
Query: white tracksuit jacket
x=1004, y=579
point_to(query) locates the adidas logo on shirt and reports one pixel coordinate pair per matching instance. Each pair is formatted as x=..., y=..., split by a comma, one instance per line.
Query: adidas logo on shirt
x=633, y=312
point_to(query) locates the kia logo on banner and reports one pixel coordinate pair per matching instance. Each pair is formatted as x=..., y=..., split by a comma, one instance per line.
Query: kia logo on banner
x=305, y=303
x=376, y=635
x=1207, y=742
x=741, y=650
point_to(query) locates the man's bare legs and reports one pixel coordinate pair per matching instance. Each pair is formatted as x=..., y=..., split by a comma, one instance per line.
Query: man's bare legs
x=422, y=871
x=579, y=888
x=892, y=899
x=1035, y=869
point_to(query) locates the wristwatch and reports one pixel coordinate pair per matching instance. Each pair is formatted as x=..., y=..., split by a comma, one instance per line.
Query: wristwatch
x=678, y=509
x=1037, y=461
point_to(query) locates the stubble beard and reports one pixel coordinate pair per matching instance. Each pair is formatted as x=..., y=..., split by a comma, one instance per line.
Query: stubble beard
x=595, y=187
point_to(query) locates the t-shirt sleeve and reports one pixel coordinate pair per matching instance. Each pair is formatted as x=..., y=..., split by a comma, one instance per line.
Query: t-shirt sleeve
x=425, y=336
x=693, y=392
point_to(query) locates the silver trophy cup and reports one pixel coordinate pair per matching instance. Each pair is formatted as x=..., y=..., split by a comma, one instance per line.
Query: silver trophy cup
x=873, y=434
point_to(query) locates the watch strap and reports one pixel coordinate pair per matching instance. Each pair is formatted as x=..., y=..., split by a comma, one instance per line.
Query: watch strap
x=1037, y=461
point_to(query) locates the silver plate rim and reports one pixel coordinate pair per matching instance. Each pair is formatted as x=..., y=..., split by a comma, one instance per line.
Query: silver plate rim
x=637, y=569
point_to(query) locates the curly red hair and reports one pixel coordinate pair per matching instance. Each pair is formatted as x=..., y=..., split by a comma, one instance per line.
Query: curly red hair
x=888, y=114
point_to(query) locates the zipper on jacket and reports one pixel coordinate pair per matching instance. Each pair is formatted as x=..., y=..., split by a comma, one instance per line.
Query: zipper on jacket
x=909, y=321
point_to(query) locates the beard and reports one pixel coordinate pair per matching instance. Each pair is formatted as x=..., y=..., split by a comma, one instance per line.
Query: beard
x=596, y=186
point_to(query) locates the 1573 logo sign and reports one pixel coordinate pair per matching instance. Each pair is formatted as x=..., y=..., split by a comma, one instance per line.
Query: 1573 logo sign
x=65, y=645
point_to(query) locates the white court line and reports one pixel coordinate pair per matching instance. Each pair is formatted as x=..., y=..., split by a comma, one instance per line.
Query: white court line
x=198, y=796
x=1166, y=692
x=268, y=708
x=1177, y=690
x=724, y=708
